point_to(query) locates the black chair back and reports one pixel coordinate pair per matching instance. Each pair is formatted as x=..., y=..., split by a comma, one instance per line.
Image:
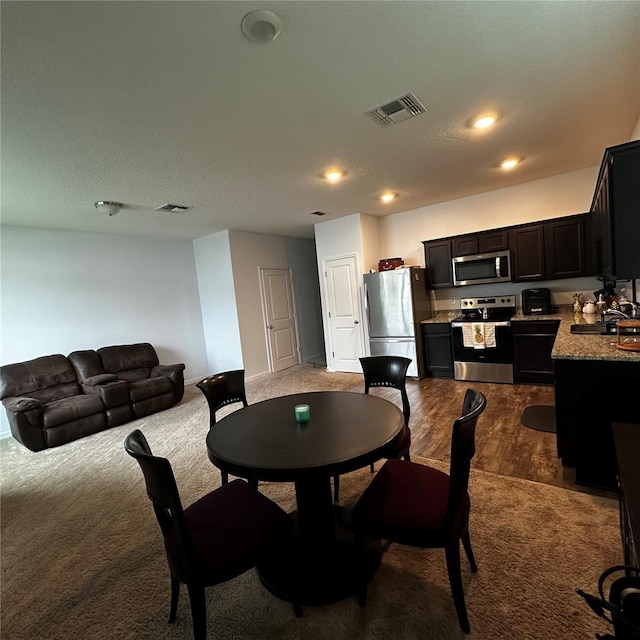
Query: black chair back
x=463, y=448
x=163, y=493
x=222, y=389
x=388, y=371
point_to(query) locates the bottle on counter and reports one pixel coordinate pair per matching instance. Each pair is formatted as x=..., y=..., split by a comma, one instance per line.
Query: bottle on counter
x=601, y=305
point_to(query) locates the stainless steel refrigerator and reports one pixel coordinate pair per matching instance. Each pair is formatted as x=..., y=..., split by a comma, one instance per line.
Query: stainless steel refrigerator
x=396, y=301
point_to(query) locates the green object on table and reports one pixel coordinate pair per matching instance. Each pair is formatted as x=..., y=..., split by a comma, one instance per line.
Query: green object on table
x=303, y=413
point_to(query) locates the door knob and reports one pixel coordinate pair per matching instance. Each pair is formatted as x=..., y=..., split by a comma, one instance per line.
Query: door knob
x=355, y=322
x=270, y=326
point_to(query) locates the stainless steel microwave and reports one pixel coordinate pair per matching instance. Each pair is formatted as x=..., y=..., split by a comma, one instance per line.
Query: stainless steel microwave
x=482, y=268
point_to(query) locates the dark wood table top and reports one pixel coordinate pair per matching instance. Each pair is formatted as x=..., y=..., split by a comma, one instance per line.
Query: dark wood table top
x=346, y=431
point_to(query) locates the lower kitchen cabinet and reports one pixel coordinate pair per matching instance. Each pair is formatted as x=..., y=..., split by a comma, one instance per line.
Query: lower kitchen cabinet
x=438, y=353
x=590, y=395
x=532, y=344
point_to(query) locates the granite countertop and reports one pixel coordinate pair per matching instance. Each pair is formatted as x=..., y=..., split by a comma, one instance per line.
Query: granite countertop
x=571, y=346
x=567, y=346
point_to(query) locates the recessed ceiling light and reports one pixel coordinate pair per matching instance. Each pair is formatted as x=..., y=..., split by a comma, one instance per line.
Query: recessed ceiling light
x=484, y=121
x=334, y=175
x=510, y=163
x=388, y=196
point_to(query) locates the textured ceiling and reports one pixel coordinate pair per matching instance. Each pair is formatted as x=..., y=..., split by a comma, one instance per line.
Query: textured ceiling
x=154, y=102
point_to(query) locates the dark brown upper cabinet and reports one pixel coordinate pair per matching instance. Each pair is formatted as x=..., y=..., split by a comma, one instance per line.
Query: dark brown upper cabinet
x=490, y=241
x=565, y=248
x=437, y=256
x=465, y=245
x=548, y=250
x=616, y=213
x=527, y=253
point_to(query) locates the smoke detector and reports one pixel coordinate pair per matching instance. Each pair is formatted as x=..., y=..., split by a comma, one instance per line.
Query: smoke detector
x=402, y=108
x=261, y=25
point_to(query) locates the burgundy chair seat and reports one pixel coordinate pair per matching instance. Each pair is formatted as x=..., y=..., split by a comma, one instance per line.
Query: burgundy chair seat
x=149, y=388
x=419, y=506
x=407, y=502
x=399, y=445
x=237, y=541
x=68, y=409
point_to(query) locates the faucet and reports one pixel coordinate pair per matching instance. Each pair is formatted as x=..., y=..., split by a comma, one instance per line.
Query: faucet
x=615, y=312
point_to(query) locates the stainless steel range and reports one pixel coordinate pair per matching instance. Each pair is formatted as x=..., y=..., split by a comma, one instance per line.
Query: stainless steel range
x=482, y=339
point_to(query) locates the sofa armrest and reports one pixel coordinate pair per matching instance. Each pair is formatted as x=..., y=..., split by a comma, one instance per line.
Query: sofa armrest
x=175, y=373
x=25, y=420
x=171, y=371
x=22, y=404
x=102, y=378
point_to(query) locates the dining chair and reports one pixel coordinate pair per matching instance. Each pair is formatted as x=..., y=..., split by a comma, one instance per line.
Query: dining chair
x=220, y=536
x=220, y=390
x=419, y=506
x=387, y=371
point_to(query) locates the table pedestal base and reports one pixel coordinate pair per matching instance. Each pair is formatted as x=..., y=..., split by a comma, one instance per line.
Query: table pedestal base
x=318, y=573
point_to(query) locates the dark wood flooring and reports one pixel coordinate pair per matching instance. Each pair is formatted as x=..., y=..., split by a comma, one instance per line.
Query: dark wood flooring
x=503, y=444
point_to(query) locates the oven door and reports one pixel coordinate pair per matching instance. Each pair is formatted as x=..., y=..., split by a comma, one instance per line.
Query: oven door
x=492, y=364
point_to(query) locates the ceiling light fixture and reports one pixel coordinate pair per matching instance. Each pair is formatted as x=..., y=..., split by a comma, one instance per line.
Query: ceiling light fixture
x=261, y=26
x=510, y=163
x=334, y=175
x=108, y=206
x=388, y=196
x=485, y=121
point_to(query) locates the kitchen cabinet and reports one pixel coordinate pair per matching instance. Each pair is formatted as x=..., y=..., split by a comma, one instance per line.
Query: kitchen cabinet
x=615, y=208
x=548, y=250
x=627, y=442
x=527, y=253
x=438, y=352
x=551, y=250
x=437, y=255
x=532, y=344
x=589, y=396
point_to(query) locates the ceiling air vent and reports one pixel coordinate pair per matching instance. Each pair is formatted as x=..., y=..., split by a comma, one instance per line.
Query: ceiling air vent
x=173, y=208
x=397, y=110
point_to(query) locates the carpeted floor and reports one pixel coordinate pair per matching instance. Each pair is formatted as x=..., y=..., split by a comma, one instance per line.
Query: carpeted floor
x=82, y=555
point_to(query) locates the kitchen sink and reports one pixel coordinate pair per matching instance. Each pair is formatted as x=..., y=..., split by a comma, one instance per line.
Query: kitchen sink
x=593, y=329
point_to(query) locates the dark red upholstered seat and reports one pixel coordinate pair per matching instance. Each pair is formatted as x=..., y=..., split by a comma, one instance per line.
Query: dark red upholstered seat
x=218, y=537
x=419, y=506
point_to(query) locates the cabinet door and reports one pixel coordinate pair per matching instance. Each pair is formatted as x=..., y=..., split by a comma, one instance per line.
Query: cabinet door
x=438, y=353
x=532, y=345
x=490, y=241
x=527, y=253
x=465, y=246
x=564, y=248
x=437, y=256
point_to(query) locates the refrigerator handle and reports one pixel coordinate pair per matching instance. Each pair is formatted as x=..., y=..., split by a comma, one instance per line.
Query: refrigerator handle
x=366, y=307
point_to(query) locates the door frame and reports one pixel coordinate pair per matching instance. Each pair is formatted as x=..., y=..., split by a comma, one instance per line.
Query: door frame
x=364, y=334
x=294, y=311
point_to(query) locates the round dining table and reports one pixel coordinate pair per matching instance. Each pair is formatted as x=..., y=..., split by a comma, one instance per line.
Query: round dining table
x=323, y=562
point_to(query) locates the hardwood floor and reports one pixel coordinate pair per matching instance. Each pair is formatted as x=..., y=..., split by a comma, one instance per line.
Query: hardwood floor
x=503, y=444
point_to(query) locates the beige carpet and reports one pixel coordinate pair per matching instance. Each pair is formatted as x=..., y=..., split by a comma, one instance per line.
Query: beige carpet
x=82, y=555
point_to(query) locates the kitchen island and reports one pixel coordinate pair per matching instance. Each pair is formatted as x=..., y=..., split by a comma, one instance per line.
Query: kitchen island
x=595, y=384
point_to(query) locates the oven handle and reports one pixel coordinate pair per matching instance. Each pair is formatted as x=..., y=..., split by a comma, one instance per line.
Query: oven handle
x=497, y=324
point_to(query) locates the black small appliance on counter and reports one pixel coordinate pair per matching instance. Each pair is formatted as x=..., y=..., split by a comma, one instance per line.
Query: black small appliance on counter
x=536, y=302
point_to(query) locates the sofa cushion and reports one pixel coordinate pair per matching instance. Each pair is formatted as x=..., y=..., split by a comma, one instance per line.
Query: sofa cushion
x=130, y=361
x=69, y=409
x=149, y=387
x=47, y=379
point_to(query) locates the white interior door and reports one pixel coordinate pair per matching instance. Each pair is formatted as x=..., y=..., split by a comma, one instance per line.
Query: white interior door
x=280, y=318
x=345, y=326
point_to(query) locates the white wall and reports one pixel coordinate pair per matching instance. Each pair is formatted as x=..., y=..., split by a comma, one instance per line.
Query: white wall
x=218, y=302
x=249, y=253
x=66, y=290
x=554, y=197
x=371, y=251
x=635, y=135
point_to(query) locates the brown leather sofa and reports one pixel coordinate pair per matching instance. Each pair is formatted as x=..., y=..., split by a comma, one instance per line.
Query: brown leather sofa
x=55, y=399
